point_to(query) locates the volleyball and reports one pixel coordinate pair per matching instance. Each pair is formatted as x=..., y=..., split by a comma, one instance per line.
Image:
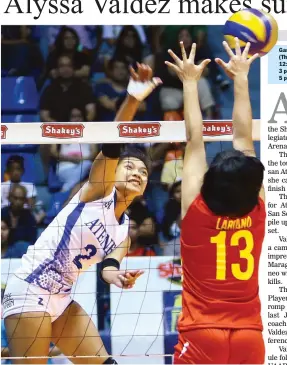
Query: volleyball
x=254, y=26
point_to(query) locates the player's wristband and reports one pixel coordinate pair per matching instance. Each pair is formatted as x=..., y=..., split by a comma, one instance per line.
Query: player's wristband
x=141, y=89
x=108, y=263
x=112, y=150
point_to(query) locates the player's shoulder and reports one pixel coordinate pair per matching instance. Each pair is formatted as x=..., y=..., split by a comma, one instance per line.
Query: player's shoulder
x=87, y=195
x=198, y=205
x=259, y=210
x=261, y=202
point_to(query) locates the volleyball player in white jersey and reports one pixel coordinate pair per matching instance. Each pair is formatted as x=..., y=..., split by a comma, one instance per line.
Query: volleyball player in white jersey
x=92, y=228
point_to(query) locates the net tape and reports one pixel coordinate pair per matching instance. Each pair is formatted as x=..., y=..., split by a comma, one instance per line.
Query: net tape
x=115, y=132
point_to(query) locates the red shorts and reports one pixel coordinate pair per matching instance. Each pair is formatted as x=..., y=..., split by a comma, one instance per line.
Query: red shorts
x=220, y=346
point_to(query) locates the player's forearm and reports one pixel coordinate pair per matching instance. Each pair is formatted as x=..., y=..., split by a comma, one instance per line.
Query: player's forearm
x=128, y=109
x=192, y=112
x=242, y=113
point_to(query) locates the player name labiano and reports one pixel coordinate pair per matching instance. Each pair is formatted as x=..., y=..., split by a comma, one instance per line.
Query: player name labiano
x=238, y=223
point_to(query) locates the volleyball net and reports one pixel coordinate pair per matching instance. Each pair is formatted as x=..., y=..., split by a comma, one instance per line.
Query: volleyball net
x=137, y=325
x=115, y=132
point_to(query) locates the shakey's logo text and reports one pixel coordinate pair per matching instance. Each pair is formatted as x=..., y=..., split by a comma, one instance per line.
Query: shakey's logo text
x=217, y=128
x=4, y=129
x=62, y=130
x=139, y=130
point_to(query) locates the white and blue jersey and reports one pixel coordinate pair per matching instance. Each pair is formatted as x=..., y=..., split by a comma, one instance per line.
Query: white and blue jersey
x=81, y=235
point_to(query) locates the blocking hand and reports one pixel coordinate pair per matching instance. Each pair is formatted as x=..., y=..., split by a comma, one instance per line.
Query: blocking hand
x=185, y=69
x=239, y=63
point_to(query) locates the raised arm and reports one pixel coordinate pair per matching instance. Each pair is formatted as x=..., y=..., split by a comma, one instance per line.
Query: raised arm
x=195, y=165
x=102, y=175
x=237, y=69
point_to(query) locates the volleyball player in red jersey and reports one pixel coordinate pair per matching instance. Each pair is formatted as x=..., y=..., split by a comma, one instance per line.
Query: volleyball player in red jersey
x=223, y=227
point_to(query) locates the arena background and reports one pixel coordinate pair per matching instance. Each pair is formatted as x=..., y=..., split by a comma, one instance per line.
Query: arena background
x=141, y=321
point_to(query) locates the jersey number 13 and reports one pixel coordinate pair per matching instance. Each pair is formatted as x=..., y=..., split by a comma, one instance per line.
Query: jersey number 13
x=246, y=253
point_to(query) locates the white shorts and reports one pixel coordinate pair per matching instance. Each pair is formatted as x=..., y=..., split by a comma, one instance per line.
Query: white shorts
x=21, y=297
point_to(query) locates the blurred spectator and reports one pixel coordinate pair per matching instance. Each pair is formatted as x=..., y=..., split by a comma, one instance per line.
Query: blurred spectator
x=157, y=153
x=109, y=91
x=171, y=222
x=76, y=116
x=8, y=250
x=136, y=248
x=173, y=166
x=167, y=165
x=163, y=37
x=84, y=32
x=202, y=52
x=66, y=93
x=67, y=44
x=14, y=171
x=4, y=238
x=110, y=94
x=128, y=46
x=20, y=221
x=147, y=228
x=167, y=37
x=15, y=34
x=171, y=95
x=20, y=52
x=112, y=32
x=148, y=234
x=74, y=160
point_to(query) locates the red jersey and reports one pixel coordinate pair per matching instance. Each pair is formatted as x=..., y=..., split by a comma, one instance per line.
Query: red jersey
x=220, y=261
